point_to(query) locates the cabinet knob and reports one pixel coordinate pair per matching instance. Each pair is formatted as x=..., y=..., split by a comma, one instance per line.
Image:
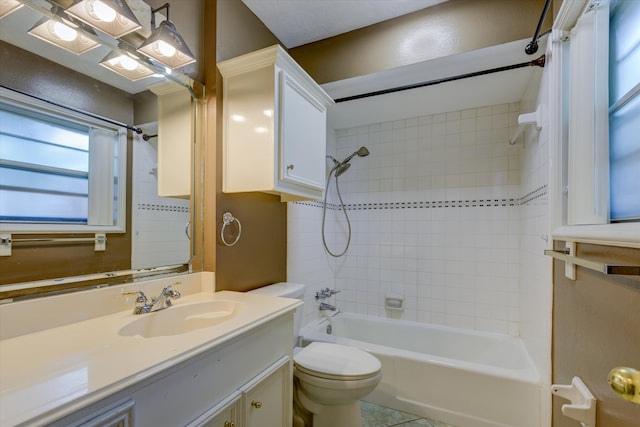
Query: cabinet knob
x=256, y=405
x=290, y=167
x=229, y=424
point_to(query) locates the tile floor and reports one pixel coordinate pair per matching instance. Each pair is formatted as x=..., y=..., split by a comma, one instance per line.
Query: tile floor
x=378, y=416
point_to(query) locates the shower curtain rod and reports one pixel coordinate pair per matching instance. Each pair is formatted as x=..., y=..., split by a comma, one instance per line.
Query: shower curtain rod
x=85, y=113
x=532, y=47
x=536, y=62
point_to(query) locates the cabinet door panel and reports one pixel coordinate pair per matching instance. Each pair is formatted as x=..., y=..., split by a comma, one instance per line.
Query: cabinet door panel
x=224, y=414
x=267, y=401
x=303, y=135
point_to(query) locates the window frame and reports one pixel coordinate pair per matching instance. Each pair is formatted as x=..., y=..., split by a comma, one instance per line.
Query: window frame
x=626, y=234
x=119, y=223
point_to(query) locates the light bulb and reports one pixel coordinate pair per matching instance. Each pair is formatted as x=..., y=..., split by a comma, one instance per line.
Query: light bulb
x=102, y=11
x=128, y=63
x=165, y=49
x=64, y=32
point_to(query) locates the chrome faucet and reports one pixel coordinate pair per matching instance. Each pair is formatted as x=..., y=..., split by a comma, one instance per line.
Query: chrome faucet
x=159, y=303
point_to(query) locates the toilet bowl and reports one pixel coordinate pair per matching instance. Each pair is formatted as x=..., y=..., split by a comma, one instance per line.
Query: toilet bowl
x=329, y=379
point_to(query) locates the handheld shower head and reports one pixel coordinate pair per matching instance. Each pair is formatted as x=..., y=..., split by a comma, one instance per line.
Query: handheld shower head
x=344, y=165
x=362, y=152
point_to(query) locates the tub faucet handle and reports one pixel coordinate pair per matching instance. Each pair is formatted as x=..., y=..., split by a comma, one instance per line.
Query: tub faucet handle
x=325, y=293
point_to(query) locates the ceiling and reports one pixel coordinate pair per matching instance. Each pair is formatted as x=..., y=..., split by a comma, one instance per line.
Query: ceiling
x=298, y=22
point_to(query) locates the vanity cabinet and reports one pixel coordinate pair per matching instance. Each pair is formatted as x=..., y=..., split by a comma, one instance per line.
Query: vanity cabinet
x=274, y=126
x=265, y=401
x=246, y=382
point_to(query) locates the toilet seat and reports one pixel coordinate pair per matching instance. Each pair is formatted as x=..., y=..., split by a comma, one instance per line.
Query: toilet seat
x=336, y=362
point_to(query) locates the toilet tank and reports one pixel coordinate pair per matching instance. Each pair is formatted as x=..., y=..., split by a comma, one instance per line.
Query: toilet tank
x=286, y=290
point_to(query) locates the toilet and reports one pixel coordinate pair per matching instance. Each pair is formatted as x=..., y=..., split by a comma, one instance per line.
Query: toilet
x=329, y=379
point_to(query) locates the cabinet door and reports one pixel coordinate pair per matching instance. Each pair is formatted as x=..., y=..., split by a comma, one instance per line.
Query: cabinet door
x=120, y=415
x=268, y=398
x=303, y=135
x=224, y=414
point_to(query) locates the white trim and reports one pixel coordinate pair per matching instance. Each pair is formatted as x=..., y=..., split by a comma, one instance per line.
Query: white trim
x=588, y=160
x=569, y=13
x=557, y=52
x=617, y=234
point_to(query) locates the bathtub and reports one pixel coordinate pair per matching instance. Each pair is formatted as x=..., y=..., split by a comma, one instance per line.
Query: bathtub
x=461, y=377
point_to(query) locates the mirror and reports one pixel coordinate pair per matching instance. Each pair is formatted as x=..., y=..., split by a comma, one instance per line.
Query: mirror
x=158, y=229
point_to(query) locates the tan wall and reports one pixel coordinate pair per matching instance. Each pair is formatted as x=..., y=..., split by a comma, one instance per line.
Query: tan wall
x=596, y=327
x=449, y=28
x=31, y=74
x=260, y=255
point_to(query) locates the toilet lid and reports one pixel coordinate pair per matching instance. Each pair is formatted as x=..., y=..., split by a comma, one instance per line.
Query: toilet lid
x=336, y=361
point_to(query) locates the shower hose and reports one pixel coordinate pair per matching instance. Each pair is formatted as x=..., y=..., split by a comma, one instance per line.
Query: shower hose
x=324, y=214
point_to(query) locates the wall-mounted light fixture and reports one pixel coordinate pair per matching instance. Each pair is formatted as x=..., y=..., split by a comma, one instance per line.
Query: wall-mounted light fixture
x=63, y=33
x=8, y=6
x=165, y=44
x=113, y=17
x=126, y=65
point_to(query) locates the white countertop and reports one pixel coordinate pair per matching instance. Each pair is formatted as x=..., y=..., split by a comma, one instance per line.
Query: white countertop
x=65, y=368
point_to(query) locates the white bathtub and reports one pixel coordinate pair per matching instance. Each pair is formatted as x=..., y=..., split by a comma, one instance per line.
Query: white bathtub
x=460, y=377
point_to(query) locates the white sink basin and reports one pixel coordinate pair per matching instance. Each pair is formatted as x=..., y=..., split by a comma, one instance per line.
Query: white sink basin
x=180, y=319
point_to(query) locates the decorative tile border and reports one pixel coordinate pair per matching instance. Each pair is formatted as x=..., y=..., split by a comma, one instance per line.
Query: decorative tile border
x=436, y=204
x=534, y=195
x=163, y=207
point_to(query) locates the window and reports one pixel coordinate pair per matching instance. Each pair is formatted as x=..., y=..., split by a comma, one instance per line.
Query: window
x=624, y=110
x=596, y=101
x=59, y=172
x=597, y=167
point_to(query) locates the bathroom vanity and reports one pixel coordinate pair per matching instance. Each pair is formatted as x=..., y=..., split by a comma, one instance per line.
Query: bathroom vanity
x=224, y=360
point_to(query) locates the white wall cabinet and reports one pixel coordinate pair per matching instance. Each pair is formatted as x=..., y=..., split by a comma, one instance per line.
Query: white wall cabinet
x=274, y=126
x=175, y=139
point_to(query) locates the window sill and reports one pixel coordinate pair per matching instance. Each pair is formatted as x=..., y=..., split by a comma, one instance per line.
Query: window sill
x=624, y=234
x=59, y=228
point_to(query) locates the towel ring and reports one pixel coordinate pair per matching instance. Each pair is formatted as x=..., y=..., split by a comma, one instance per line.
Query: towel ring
x=228, y=219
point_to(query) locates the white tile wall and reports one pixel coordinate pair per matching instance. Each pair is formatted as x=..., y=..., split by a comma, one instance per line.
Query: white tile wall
x=535, y=268
x=435, y=216
x=158, y=223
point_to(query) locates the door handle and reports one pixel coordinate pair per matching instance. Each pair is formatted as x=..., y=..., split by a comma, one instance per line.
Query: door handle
x=625, y=382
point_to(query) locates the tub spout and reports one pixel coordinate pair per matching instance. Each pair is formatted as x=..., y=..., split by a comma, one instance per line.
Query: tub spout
x=325, y=306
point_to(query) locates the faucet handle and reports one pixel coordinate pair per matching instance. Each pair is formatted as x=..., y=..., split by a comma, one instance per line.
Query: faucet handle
x=169, y=292
x=142, y=298
x=168, y=287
